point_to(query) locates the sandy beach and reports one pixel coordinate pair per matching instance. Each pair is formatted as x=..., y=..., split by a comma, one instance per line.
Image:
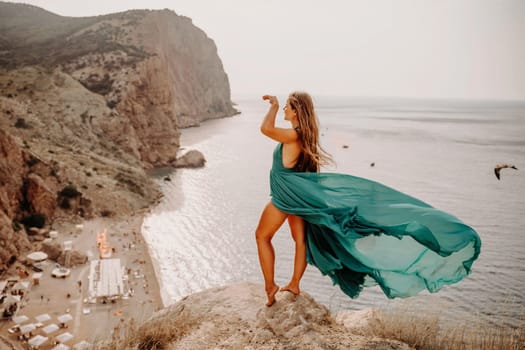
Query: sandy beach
x=57, y=296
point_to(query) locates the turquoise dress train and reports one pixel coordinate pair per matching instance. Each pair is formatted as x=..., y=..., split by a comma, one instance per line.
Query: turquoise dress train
x=362, y=233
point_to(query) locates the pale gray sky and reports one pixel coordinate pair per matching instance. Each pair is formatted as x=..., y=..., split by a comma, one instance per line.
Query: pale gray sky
x=471, y=49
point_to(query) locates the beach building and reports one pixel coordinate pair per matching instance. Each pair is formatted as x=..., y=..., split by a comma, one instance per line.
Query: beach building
x=20, y=288
x=9, y=305
x=105, y=280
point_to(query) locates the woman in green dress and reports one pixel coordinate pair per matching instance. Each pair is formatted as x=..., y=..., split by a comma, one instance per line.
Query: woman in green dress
x=357, y=231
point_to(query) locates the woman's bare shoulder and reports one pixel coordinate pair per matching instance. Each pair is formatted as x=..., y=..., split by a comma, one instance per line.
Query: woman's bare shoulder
x=283, y=135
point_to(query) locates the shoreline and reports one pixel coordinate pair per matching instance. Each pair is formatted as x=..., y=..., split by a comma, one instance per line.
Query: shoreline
x=59, y=296
x=92, y=322
x=154, y=264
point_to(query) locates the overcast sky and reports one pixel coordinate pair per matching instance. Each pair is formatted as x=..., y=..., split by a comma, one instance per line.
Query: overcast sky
x=473, y=49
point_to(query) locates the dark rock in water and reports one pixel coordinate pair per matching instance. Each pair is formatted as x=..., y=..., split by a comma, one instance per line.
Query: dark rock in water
x=167, y=178
x=372, y=164
x=345, y=146
x=192, y=159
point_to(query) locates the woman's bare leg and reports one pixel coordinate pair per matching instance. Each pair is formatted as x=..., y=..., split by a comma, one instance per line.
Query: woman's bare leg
x=297, y=229
x=270, y=221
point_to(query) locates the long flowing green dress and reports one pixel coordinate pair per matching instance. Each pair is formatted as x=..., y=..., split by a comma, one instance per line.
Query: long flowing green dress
x=361, y=233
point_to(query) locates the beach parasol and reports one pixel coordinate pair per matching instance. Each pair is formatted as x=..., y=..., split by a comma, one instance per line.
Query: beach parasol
x=37, y=256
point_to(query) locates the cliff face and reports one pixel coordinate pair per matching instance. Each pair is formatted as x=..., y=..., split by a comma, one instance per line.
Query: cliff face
x=12, y=172
x=92, y=102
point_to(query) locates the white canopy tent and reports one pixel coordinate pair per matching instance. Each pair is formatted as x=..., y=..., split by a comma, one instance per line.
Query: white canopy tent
x=50, y=328
x=61, y=347
x=43, y=318
x=27, y=328
x=37, y=341
x=64, y=337
x=20, y=319
x=65, y=318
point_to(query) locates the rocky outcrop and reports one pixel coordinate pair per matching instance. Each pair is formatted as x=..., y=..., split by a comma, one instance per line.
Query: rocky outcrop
x=12, y=242
x=13, y=172
x=40, y=196
x=76, y=258
x=234, y=317
x=191, y=159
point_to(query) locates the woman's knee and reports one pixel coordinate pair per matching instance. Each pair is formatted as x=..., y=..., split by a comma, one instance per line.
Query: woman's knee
x=271, y=219
x=263, y=235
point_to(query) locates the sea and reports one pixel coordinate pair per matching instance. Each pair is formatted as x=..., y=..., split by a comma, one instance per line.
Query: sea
x=202, y=234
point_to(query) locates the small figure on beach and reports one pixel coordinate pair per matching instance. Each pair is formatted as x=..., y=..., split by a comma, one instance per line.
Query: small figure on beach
x=498, y=168
x=357, y=231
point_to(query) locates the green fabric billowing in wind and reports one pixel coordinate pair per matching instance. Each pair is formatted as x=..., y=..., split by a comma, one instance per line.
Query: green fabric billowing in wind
x=360, y=232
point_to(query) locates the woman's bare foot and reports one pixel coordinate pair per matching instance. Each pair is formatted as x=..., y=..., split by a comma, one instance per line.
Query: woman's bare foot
x=271, y=295
x=291, y=288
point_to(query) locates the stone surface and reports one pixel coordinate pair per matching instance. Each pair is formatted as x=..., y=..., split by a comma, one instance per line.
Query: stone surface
x=356, y=320
x=234, y=317
x=40, y=197
x=191, y=159
x=53, y=250
x=76, y=258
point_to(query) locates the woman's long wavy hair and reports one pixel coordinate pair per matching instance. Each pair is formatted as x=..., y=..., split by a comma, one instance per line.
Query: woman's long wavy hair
x=312, y=156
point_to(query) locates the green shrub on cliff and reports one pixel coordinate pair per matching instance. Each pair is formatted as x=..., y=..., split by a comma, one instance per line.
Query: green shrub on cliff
x=21, y=124
x=70, y=191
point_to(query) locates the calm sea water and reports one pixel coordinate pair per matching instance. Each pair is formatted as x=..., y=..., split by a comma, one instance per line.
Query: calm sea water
x=202, y=234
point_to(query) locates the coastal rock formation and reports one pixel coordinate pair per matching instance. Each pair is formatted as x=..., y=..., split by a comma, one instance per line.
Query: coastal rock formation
x=91, y=103
x=12, y=172
x=15, y=167
x=234, y=317
x=191, y=159
x=11, y=242
x=40, y=196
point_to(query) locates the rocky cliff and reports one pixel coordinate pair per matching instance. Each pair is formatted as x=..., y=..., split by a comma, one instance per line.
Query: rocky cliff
x=88, y=104
x=234, y=317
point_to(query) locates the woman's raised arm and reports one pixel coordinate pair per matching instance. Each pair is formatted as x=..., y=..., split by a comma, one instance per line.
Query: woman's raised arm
x=268, y=127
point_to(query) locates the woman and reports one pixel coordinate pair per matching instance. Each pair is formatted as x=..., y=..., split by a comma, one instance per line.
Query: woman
x=300, y=152
x=357, y=231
